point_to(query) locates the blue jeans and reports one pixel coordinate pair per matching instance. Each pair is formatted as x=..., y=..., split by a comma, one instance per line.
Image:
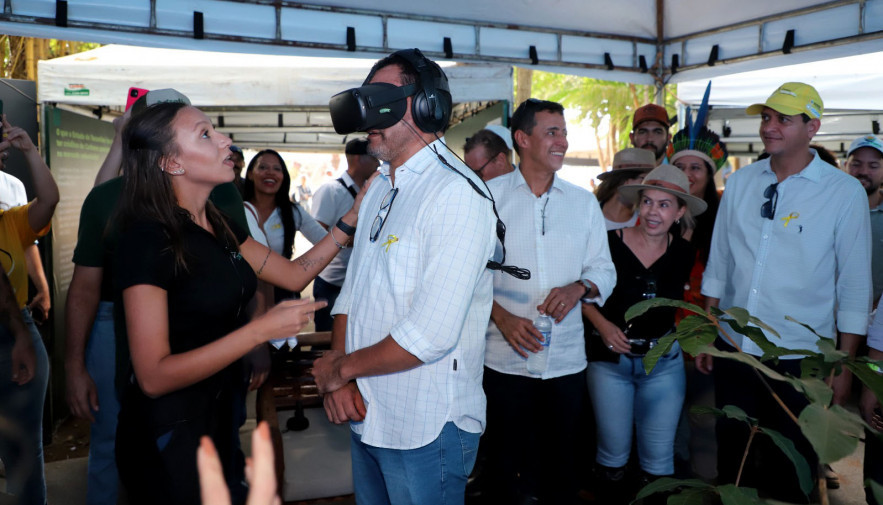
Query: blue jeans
x=624, y=396
x=102, y=484
x=21, y=442
x=431, y=475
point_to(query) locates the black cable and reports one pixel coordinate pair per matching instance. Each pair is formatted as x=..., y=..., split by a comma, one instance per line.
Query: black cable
x=514, y=271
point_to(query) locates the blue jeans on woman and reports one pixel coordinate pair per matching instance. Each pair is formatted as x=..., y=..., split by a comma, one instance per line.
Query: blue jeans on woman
x=102, y=484
x=434, y=474
x=624, y=396
x=21, y=410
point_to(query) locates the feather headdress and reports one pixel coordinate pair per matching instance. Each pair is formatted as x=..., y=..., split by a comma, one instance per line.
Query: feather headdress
x=697, y=140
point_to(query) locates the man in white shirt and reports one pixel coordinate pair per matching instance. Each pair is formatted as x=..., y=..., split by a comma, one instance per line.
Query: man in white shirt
x=416, y=300
x=792, y=238
x=331, y=201
x=556, y=230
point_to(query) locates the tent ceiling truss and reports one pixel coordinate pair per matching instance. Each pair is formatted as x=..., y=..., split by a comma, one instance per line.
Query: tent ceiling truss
x=300, y=25
x=290, y=128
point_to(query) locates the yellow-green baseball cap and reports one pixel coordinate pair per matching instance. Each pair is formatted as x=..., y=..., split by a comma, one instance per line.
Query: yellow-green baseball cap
x=792, y=98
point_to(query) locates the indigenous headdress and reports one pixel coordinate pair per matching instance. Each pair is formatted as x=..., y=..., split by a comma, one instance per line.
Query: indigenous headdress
x=697, y=140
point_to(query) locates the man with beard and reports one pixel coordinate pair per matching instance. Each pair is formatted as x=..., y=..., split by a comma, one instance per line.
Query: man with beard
x=864, y=161
x=408, y=334
x=650, y=130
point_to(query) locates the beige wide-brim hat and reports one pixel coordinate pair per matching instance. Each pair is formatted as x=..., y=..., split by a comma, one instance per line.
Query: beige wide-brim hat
x=670, y=179
x=633, y=159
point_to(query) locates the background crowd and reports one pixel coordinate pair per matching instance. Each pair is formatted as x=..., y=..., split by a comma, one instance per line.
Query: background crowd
x=186, y=271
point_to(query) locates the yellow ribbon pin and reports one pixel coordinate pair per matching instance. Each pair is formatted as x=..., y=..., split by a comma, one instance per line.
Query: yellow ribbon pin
x=390, y=240
x=789, y=217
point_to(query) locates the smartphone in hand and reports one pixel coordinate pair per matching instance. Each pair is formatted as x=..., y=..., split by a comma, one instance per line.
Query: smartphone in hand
x=133, y=95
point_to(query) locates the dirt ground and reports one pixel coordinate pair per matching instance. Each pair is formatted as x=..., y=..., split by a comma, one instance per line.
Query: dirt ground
x=70, y=439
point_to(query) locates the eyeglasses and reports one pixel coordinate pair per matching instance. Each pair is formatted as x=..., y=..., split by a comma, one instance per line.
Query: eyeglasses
x=380, y=220
x=481, y=168
x=768, y=209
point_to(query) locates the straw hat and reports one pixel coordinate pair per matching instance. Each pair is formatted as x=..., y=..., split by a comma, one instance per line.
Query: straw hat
x=670, y=179
x=639, y=161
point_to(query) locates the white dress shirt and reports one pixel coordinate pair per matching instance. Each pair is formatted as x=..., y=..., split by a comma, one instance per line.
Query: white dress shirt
x=330, y=203
x=425, y=282
x=561, y=238
x=811, y=262
x=272, y=234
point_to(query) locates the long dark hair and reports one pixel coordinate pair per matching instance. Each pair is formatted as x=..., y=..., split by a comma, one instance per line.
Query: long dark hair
x=705, y=222
x=148, y=139
x=280, y=199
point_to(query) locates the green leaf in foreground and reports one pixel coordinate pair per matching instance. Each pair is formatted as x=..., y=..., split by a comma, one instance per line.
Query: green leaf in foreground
x=739, y=315
x=732, y=495
x=695, y=333
x=870, y=378
x=665, y=484
x=662, y=347
x=800, y=465
x=876, y=489
x=645, y=305
x=833, y=432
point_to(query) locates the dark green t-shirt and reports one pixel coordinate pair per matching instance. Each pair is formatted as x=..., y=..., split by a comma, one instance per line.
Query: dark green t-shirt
x=96, y=241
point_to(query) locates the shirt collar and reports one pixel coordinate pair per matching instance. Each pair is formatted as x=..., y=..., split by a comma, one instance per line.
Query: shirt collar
x=812, y=172
x=348, y=180
x=418, y=162
x=518, y=180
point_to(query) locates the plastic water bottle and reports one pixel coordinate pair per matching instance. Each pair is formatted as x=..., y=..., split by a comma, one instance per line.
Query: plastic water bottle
x=537, y=361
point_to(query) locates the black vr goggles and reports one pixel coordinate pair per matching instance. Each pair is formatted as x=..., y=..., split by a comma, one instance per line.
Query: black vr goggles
x=369, y=107
x=381, y=105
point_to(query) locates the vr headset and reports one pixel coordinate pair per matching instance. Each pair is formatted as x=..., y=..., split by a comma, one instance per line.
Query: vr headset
x=381, y=105
x=370, y=107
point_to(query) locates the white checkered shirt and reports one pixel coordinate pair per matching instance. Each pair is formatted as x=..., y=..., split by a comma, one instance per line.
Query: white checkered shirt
x=425, y=283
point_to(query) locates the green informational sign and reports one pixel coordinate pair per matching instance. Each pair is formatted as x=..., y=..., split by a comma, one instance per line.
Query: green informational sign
x=75, y=146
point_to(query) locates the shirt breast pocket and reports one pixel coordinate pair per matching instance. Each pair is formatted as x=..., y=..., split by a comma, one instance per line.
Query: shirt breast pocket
x=403, y=258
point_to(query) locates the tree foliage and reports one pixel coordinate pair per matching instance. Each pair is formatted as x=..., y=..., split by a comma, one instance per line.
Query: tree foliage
x=19, y=55
x=608, y=105
x=833, y=431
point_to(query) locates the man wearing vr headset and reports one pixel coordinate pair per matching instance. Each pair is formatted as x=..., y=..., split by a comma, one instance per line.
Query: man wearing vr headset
x=408, y=339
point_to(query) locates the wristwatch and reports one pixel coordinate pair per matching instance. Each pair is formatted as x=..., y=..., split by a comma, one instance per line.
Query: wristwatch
x=587, y=285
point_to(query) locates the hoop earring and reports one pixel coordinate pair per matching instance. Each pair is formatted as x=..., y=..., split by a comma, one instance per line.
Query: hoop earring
x=678, y=221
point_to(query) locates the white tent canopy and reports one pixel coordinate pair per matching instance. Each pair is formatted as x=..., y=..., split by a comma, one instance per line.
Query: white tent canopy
x=677, y=40
x=261, y=100
x=102, y=76
x=849, y=88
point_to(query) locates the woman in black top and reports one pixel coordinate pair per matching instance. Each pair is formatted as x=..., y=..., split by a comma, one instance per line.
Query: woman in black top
x=650, y=261
x=185, y=273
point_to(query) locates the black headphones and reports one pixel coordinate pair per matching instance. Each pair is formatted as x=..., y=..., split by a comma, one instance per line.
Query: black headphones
x=381, y=105
x=431, y=104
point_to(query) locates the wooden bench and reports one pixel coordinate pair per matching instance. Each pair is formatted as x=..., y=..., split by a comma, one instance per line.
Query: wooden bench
x=290, y=386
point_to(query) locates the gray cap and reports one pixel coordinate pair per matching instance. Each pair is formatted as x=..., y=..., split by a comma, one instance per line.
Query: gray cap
x=156, y=96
